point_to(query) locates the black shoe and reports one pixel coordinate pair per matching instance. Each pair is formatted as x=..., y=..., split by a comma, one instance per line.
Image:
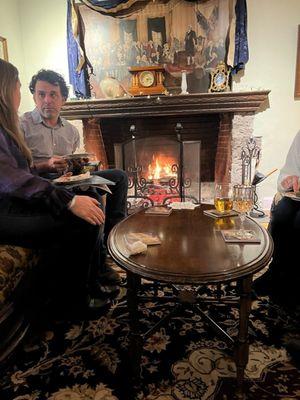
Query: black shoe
x=293, y=348
x=109, y=277
x=264, y=285
x=98, y=290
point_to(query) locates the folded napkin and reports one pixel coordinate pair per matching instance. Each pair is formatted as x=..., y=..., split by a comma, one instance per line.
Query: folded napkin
x=145, y=238
x=185, y=205
x=136, y=243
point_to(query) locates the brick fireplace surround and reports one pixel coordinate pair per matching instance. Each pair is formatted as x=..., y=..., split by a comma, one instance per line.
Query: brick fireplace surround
x=222, y=121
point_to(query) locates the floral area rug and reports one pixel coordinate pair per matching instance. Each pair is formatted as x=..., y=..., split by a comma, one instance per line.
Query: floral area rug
x=184, y=360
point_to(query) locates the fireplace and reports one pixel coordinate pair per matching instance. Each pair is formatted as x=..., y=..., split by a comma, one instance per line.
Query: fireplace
x=221, y=122
x=161, y=169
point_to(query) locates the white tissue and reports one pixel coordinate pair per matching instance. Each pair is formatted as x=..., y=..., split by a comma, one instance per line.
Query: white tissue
x=185, y=205
x=134, y=247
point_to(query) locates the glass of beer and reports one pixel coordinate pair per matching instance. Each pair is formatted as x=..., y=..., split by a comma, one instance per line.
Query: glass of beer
x=223, y=197
x=243, y=200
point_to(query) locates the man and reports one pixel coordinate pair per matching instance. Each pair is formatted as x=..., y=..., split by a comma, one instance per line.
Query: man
x=190, y=42
x=50, y=137
x=281, y=281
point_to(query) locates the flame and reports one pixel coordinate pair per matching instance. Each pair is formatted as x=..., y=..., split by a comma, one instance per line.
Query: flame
x=160, y=168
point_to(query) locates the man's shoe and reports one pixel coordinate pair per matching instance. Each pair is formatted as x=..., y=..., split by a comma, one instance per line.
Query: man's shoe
x=263, y=285
x=293, y=348
x=101, y=291
x=109, y=277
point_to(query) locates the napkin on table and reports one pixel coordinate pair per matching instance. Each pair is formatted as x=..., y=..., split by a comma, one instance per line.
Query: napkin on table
x=184, y=205
x=137, y=243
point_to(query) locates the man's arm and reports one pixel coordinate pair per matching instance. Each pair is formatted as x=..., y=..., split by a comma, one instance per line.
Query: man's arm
x=289, y=176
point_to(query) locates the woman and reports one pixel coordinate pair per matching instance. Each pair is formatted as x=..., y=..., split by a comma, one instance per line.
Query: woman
x=36, y=214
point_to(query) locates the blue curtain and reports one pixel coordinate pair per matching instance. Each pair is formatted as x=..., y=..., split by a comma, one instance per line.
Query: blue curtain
x=241, y=53
x=120, y=8
x=77, y=72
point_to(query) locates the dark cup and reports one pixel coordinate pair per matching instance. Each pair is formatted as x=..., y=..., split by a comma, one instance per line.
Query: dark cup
x=77, y=163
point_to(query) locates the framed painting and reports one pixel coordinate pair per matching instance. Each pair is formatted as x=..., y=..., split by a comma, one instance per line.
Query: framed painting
x=3, y=49
x=176, y=34
x=297, y=77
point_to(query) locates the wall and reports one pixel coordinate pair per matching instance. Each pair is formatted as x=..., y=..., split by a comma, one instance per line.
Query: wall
x=43, y=26
x=272, y=29
x=10, y=28
x=272, y=34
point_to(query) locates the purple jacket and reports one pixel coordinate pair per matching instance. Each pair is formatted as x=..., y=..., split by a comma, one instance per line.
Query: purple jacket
x=18, y=180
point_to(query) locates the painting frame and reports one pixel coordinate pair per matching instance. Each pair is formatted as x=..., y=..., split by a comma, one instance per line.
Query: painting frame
x=297, y=74
x=3, y=49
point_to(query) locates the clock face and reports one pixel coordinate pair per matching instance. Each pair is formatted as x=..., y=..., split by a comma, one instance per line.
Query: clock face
x=220, y=79
x=146, y=78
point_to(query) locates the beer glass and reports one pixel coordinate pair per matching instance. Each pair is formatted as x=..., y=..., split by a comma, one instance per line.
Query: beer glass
x=243, y=199
x=223, y=197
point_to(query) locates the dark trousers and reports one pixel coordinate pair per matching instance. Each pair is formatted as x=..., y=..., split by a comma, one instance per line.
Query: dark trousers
x=116, y=202
x=285, y=231
x=68, y=245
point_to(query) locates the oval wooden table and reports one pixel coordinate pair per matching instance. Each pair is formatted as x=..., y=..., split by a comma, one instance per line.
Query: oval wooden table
x=193, y=252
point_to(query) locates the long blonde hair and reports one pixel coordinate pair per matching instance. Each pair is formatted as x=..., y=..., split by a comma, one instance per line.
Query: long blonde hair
x=9, y=119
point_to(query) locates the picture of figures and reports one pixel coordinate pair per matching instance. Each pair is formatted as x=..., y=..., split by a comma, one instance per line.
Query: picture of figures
x=179, y=35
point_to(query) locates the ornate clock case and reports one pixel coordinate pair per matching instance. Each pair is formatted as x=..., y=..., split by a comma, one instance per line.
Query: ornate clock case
x=219, y=78
x=147, y=80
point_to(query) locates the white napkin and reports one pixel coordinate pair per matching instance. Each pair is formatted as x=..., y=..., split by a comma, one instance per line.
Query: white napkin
x=134, y=247
x=136, y=243
x=185, y=205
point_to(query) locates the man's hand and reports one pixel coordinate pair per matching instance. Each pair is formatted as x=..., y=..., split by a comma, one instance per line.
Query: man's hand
x=87, y=208
x=291, y=182
x=59, y=163
x=53, y=164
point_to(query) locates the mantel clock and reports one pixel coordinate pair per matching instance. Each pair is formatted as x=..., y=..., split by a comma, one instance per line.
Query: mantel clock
x=147, y=80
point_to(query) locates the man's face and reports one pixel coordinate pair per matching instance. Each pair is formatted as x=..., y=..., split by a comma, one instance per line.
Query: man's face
x=49, y=100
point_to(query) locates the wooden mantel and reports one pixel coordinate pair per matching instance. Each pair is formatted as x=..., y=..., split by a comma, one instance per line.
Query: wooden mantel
x=192, y=104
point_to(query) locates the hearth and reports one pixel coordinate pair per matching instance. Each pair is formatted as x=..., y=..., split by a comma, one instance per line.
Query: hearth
x=161, y=169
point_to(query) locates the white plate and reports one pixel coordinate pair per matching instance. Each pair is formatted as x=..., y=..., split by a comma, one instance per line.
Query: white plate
x=78, y=155
x=292, y=196
x=67, y=180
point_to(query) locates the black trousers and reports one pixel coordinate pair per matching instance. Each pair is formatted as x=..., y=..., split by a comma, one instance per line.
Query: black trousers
x=69, y=246
x=285, y=231
x=116, y=202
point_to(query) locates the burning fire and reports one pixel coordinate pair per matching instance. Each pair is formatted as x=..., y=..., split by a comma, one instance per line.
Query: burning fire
x=160, y=168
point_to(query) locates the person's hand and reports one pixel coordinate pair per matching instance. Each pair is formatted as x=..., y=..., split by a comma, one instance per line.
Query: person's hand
x=291, y=182
x=58, y=163
x=53, y=164
x=87, y=208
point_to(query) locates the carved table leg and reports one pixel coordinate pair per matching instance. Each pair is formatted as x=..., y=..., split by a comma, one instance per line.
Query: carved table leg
x=242, y=345
x=136, y=340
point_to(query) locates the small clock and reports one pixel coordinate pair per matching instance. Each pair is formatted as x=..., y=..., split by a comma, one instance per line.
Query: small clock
x=147, y=80
x=219, y=78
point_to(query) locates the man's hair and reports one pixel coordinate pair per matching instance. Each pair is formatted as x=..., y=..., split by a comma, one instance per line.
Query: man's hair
x=52, y=77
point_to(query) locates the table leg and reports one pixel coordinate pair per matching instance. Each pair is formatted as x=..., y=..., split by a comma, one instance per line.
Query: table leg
x=136, y=341
x=242, y=345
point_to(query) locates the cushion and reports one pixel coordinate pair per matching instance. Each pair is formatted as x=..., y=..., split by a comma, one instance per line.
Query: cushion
x=14, y=261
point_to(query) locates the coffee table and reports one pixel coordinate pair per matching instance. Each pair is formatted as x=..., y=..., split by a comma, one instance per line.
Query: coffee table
x=193, y=253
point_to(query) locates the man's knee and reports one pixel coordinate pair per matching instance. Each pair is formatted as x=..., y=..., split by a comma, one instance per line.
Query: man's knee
x=123, y=178
x=284, y=212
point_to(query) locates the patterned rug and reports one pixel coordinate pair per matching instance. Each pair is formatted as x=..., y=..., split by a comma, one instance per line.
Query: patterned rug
x=87, y=360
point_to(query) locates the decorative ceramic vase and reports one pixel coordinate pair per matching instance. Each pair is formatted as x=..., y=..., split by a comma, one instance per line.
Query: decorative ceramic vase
x=183, y=82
